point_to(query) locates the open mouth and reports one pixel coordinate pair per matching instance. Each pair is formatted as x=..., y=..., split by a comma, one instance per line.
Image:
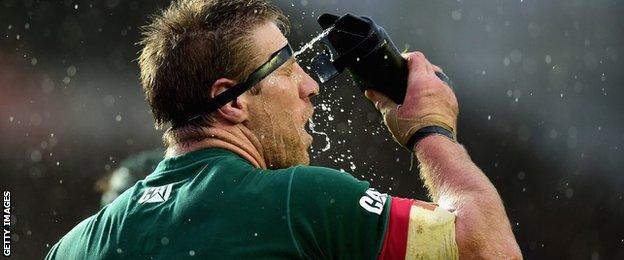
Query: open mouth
x=308, y=120
x=306, y=127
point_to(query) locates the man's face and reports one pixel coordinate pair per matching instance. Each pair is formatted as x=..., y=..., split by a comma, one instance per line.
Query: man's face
x=279, y=114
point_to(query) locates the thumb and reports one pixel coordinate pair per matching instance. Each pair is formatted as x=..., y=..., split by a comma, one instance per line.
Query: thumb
x=383, y=103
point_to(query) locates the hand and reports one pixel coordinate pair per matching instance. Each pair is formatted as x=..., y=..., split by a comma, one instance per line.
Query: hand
x=428, y=102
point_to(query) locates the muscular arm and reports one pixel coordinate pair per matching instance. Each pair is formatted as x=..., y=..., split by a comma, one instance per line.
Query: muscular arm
x=482, y=230
x=455, y=183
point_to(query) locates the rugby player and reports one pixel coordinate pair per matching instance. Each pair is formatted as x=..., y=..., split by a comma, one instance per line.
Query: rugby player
x=236, y=181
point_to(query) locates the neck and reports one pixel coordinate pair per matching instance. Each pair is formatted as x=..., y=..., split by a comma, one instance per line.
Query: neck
x=236, y=138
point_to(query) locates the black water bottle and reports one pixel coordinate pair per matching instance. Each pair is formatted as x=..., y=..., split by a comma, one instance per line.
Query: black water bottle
x=362, y=47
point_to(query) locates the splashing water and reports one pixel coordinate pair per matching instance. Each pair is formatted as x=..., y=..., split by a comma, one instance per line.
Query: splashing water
x=304, y=48
x=312, y=125
x=313, y=41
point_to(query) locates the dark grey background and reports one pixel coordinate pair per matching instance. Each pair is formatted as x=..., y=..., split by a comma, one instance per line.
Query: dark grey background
x=539, y=85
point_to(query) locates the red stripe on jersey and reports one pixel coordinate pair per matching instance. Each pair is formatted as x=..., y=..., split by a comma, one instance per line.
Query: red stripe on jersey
x=395, y=241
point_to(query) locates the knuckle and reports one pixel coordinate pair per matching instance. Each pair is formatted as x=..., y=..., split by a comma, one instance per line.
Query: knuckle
x=415, y=57
x=378, y=105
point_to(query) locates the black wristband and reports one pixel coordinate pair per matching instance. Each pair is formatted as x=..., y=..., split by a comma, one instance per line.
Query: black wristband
x=427, y=131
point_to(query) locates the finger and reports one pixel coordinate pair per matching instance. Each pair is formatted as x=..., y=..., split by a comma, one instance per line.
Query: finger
x=436, y=68
x=416, y=63
x=428, y=65
x=441, y=75
x=430, y=68
x=383, y=103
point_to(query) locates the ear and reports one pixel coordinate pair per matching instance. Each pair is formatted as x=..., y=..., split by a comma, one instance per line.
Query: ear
x=235, y=111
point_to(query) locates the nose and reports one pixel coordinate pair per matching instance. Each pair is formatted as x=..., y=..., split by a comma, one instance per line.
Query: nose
x=308, y=87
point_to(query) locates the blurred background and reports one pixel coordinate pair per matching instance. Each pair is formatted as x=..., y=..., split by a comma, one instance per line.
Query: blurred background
x=539, y=85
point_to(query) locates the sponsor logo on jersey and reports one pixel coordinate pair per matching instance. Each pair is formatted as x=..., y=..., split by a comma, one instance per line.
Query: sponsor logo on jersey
x=373, y=201
x=156, y=194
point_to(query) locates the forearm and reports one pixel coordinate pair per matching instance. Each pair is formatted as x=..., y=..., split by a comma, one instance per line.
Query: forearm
x=457, y=184
x=449, y=173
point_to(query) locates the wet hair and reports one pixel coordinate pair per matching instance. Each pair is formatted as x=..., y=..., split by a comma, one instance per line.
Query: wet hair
x=190, y=45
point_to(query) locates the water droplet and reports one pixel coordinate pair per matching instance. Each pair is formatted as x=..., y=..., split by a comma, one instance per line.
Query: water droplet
x=35, y=156
x=108, y=100
x=456, y=15
x=521, y=175
x=569, y=193
x=71, y=71
x=506, y=61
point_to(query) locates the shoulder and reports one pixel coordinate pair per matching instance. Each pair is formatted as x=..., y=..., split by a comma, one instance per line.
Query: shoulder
x=330, y=188
x=303, y=176
x=324, y=176
x=326, y=183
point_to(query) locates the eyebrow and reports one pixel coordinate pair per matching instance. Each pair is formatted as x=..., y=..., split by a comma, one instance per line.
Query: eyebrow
x=289, y=64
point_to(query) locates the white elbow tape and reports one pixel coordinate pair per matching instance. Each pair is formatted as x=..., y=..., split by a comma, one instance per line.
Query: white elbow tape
x=431, y=233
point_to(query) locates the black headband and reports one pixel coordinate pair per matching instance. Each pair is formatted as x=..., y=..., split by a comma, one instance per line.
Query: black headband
x=276, y=60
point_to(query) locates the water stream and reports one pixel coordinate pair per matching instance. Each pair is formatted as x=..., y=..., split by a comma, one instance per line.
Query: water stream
x=303, y=49
x=328, y=144
x=311, y=43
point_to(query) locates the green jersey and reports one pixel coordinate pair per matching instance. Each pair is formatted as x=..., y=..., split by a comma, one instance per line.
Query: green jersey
x=213, y=204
